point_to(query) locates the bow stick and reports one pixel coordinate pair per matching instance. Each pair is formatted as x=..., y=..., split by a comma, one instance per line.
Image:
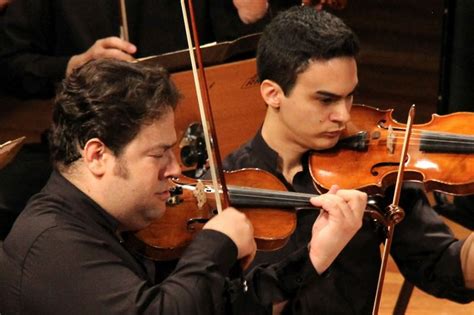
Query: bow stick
x=123, y=21
x=217, y=174
x=393, y=208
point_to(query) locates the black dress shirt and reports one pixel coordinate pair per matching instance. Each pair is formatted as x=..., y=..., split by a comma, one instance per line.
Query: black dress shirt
x=423, y=247
x=63, y=256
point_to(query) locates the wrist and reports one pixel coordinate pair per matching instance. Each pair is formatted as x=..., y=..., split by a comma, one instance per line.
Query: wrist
x=75, y=62
x=71, y=64
x=319, y=262
x=467, y=261
x=251, y=11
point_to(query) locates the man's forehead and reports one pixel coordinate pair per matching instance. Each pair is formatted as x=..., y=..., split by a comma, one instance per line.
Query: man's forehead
x=159, y=133
x=323, y=71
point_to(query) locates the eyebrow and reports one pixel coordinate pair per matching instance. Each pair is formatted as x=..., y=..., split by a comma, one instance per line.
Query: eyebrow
x=163, y=146
x=332, y=95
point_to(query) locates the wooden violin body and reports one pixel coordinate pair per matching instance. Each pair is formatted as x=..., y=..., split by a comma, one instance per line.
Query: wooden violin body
x=440, y=154
x=272, y=220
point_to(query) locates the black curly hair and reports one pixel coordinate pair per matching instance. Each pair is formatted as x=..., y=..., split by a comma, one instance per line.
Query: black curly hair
x=110, y=100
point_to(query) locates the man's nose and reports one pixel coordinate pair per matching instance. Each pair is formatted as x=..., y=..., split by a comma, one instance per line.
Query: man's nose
x=173, y=169
x=342, y=111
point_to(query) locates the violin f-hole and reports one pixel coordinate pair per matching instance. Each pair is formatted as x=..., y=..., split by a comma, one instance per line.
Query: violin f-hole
x=192, y=222
x=373, y=169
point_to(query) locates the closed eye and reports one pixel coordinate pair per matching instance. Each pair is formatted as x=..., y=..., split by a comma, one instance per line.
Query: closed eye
x=326, y=100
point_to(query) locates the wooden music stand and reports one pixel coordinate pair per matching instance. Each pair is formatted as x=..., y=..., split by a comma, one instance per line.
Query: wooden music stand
x=212, y=53
x=234, y=90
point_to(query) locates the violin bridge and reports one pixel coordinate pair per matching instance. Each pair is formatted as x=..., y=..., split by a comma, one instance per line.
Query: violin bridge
x=200, y=194
x=390, y=140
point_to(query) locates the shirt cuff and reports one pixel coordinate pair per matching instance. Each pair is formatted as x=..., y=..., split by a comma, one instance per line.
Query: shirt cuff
x=217, y=246
x=297, y=271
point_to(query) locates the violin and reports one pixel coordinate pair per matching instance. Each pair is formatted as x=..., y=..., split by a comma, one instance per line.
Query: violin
x=168, y=236
x=257, y=193
x=439, y=154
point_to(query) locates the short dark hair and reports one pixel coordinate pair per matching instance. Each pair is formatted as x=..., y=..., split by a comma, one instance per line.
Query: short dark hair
x=297, y=36
x=110, y=100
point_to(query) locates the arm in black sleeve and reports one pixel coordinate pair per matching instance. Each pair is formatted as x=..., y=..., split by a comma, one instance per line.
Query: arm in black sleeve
x=69, y=272
x=28, y=63
x=270, y=284
x=39, y=37
x=427, y=252
x=199, y=282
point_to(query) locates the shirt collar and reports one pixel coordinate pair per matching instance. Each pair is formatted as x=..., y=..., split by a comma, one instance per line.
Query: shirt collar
x=269, y=162
x=266, y=155
x=78, y=203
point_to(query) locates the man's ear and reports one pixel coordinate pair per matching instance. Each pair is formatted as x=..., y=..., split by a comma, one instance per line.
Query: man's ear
x=271, y=93
x=95, y=155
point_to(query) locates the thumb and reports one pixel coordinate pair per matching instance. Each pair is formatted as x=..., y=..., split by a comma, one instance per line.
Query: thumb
x=333, y=189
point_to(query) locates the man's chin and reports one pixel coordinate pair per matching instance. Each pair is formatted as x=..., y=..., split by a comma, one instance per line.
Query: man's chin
x=325, y=144
x=146, y=218
x=155, y=214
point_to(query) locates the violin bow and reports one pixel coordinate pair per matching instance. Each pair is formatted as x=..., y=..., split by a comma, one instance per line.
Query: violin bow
x=123, y=21
x=9, y=149
x=212, y=147
x=394, y=211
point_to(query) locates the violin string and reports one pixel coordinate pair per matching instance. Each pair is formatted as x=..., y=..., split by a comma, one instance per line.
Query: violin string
x=418, y=131
x=432, y=137
x=255, y=197
x=269, y=194
x=437, y=141
x=434, y=142
x=438, y=135
x=257, y=192
x=465, y=142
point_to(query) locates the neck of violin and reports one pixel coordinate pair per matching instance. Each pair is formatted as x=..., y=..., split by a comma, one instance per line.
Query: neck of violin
x=446, y=142
x=254, y=197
